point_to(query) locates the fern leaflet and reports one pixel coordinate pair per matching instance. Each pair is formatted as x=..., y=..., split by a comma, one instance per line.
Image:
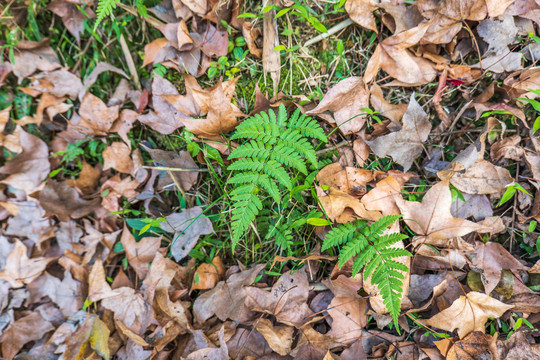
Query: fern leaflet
x=373, y=251
x=105, y=8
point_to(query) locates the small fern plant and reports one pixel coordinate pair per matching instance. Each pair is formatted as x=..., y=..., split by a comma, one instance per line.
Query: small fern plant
x=105, y=8
x=373, y=251
x=276, y=149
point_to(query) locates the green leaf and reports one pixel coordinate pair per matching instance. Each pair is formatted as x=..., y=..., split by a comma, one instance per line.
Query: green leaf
x=536, y=125
x=510, y=191
x=318, y=222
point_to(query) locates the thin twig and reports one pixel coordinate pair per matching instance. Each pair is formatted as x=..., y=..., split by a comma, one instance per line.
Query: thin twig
x=330, y=149
x=342, y=25
x=165, y=168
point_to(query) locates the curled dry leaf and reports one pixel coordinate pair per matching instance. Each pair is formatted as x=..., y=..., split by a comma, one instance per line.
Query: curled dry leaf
x=432, y=219
x=20, y=269
x=490, y=259
x=279, y=338
x=381, y=198
x=96, y=117
x=347, y=179
x=468, y=313
x=187, y=226
x=287, y=300
x=251, y=33
x=392, y=56
x=72, y=17
x=208, y=275
x=343, y=208
x=405, y=145
x=226, y=300
x=482, y=178
x=139, y=253
x=345, y=103
x=30, y=168
x=476, y=345
x=36, y=56
x=361, y=12
x=31, y=327
x=379, y=103
x=118, y=157
x=60, y=199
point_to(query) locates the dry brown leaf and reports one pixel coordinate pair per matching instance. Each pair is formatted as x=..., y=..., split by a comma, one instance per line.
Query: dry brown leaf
x=349, y=317
x=379, y=103
x=30, y=168
x=392, y=56
x=226, y=300
x=127, y=305
x=139, y=253
x=72, y=17
x=161, y=273
x=468, y=313
x=490, y=259
x=432, y=218
x=345, y=102
x=118, y=188
x=271, y=57
x=96, y=117
x=117, y=156
x=165, y=119
x=405, y=145
x=251, y=33
x=361, y=12
x=20, y=269
x=343, y=208
x=208, y=275
x=507, y=148
x=482, y=178
x=476, y=345
x=517, y=347
x=287, y=300
x=36, y=56
x=187, y=226
x=124, y=123
x=347, y=179
x=279, y=337
x=60, y=199
x=181, y=160
x=31, y=327
x=381, y=198
x=222, y=113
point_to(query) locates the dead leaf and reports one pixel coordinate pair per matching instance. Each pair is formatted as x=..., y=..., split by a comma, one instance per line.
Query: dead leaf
x=517, y=347
x=20, y=269
x=60, y=199
x=490, y=259
x=96, y=117
x=30, y=168
x=346, y=103
x=161, y=273
x=468, y=313
x=476, y=345
x=31, y=327
x=379, y=103
x=172, y=160
x=208, y=275
x=349, y=317
x=226, y=300
x=482, y=178
x=139, y=253
x=187, y=226
x=72, y=17
x=165, y=119
x=361, y=12
x=279, y=338
x=117, y=156
x=381, y=198
x=432, y=218
x=405, y=145
x=392, y=56
x=251, y=33
x=271, y=57
x=36, y=56
x=287, y=300
x=343, y=208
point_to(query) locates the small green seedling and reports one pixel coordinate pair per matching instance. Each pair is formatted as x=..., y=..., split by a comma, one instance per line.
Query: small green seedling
x=510, y=191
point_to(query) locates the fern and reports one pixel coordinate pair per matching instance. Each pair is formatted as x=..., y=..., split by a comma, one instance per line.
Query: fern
x=105, y=8
x=372, y=251
x=275, y=147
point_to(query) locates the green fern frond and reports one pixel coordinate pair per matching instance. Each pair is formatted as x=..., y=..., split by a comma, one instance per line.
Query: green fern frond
x=266, y=163
x=373, y=252
x=306, y=126
x=105, y=8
